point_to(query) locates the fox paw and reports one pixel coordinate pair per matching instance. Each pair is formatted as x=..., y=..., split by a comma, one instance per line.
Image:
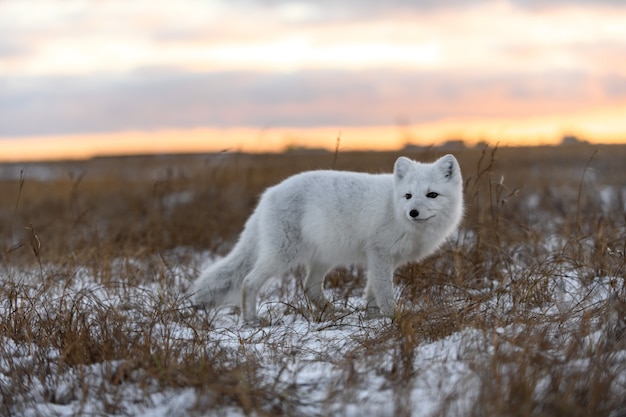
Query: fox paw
x=256, y=322
x=372, y=312
x=326, y=313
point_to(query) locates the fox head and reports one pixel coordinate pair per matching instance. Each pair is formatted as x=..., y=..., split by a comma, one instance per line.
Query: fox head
x=428, y=193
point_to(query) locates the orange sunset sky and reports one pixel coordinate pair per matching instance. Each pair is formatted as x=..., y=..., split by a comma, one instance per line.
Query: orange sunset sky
x=80, y=78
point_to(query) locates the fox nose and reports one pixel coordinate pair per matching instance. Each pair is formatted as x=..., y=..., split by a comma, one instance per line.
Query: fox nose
x=414, y=213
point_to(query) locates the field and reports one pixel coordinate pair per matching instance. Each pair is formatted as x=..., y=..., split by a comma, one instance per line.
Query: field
x=522, y=313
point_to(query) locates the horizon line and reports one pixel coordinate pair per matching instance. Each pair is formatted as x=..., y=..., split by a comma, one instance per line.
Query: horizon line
x=567, y=140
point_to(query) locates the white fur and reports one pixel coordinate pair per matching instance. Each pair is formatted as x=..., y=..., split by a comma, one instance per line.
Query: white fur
x=324, y=219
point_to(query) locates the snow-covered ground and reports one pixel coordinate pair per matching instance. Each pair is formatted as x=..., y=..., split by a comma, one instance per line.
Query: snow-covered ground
x=348, y=366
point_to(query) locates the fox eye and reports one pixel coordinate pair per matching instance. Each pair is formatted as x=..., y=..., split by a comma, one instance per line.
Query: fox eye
x=408, y=196
x=432, y=194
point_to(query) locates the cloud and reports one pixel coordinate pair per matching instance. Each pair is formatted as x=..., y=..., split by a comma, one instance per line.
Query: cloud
x=81, y=67
x=12, y=48
x=614, y=86
x=243, y=34
x=542, y=4
x=156, y=99
x=361, y=8
x=84, y=37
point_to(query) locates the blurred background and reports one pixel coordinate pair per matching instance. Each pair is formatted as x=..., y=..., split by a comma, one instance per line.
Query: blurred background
x=80, y=78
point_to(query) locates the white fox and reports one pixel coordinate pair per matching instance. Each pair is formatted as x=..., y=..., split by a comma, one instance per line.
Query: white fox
x=324, y=219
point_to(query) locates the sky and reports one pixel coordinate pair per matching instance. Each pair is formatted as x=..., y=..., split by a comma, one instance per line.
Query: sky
x=86, y=77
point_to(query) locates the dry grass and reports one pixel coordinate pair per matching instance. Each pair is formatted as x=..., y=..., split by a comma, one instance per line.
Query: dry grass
x=527, y=303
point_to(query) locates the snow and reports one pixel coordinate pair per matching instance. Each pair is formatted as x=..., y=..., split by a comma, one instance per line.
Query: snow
x=296, y=354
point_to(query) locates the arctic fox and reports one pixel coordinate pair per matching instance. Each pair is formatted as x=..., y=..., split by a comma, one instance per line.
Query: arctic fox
x=324, y=219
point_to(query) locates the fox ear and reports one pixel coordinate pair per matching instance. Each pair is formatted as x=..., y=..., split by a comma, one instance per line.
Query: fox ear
x=448, y=166
x=402, y=167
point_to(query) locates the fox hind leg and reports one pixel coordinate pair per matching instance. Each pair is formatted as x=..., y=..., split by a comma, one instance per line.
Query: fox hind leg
x=251, y=286
x=314, y=287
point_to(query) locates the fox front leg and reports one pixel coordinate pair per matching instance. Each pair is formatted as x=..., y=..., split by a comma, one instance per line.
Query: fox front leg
x=379, y=291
